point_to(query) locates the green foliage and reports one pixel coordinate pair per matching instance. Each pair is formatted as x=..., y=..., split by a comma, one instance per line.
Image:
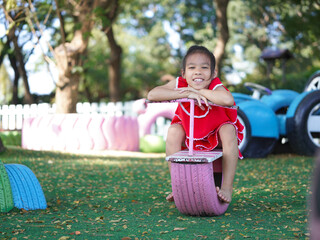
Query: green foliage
x=11, y=4
x=256, y=25
x=145, y=62
x=294, y=81
x=11, y=138
x=95, y=69
x=152, y=144
x=122, y=197
x=148, y=54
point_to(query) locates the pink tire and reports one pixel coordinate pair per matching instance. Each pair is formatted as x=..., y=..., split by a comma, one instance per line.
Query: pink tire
x=128, y=131
x=120, y=137
x=26, y=132
x=95, y=131
x=36, y=134
x=69, y=134
x=81, y=129
x=44, y=140
x=57, y=142
x=134, y=134
x=194, y=189
x=109, y=132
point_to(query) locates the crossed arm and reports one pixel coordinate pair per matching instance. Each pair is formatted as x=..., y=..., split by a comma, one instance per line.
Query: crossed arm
x=169, y=91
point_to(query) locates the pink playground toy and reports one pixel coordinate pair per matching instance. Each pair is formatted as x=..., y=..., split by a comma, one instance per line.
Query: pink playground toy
x=195, y=175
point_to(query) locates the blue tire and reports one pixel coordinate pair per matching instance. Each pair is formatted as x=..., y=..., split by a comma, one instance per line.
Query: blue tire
x=6, y=199
x=26, y=189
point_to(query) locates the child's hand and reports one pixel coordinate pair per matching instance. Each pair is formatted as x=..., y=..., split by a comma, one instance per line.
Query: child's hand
x=194, y=94
x=186, y=89
x=199, y=98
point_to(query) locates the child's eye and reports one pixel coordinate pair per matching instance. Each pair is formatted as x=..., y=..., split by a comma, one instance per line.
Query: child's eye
x=205, y=67
x=191, y=67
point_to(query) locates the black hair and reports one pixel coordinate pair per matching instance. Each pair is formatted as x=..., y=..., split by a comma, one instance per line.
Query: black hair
x=199, y=49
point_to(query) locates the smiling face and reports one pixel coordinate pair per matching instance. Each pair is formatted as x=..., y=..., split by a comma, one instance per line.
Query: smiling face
x=197, y=71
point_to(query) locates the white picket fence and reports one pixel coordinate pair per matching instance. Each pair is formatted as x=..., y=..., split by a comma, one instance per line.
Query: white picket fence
x=11, y=116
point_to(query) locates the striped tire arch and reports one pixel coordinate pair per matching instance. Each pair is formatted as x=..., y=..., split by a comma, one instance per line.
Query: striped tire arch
x=6, y=198
x=26, y=189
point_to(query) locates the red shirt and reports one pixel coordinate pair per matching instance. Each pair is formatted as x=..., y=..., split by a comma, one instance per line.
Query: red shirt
x=207, y=122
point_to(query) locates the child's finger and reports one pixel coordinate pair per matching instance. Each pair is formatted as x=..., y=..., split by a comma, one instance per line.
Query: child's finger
x=206, y=102
x=199, y=101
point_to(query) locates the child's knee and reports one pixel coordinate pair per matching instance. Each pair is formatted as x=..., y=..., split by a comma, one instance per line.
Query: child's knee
x=227, y=131
x=176, y=134
x=227, y=134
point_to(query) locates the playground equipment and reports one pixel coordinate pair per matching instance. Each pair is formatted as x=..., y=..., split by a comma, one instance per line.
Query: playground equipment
x=195, y=175
x=20, y=188
x=74, y=132
x=6, y=199
x=279, y=115
x=313, y=82
x=270, y=118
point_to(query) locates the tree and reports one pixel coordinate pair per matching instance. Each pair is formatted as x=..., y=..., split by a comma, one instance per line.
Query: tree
x=70, y=55
x=257, y=25
x=2, y=147
x=5, y=87
x=114, y=62
x=14, y=15
x=223, y=30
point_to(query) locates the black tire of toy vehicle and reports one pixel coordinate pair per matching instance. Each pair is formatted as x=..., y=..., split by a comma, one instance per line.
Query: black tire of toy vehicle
x=254, y=147
x=313, y=81
x=297, y=128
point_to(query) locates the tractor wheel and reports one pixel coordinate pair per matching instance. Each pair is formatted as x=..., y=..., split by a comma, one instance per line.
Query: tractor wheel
x=253, y=147
x=313, y=83
x=304, y=127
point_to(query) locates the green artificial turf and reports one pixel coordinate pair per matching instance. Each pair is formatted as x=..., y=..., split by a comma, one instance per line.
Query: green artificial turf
x=101, y=197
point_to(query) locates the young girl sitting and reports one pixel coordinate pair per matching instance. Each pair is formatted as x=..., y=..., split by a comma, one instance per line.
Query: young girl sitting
x=213, y=126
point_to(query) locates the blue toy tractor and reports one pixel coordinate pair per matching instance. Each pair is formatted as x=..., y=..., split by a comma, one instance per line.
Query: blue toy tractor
x=277, y=116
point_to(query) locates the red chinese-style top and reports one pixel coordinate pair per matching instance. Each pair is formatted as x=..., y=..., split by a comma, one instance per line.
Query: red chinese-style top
x=207, y=122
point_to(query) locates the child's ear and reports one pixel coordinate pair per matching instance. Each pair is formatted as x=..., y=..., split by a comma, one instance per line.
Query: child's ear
x=182, y=73
x=215, y=74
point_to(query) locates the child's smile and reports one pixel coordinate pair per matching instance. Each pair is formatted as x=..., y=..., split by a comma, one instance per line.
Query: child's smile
x=198, y=80
x=198, y=72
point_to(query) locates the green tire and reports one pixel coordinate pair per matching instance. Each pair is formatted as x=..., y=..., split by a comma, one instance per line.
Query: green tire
x=6, y=198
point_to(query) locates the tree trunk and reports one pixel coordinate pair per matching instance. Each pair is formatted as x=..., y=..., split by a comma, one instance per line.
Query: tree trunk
x=68, y=57
x=114, y=67
x=13, y=63
x=114, y=63
x=21, y=66
x=222, y=26
x=2, y=147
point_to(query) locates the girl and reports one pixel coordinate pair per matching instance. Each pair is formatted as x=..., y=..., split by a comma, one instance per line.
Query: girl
x=213, y=126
